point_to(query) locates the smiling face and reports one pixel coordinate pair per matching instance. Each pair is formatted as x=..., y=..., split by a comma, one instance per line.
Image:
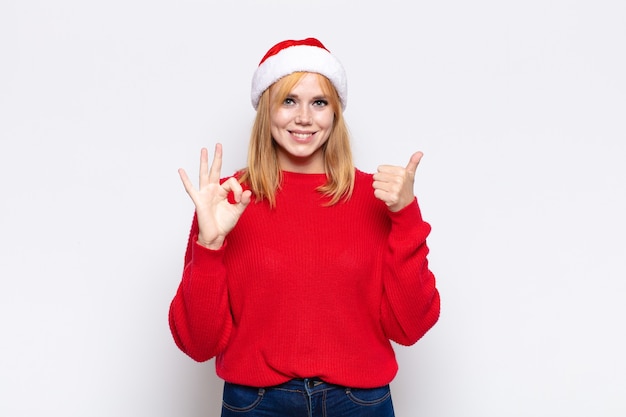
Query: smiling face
x=300, y=125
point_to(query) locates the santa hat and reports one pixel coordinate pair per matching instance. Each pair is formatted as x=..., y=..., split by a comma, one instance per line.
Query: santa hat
x=308, y=55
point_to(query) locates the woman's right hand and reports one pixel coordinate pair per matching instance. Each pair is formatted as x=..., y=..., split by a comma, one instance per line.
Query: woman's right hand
x=216, y=215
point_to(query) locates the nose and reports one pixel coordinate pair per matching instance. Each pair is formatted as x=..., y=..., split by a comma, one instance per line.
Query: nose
x=304, y=116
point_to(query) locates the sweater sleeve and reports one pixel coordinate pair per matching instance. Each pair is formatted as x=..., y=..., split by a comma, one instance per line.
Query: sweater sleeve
x=199, y=315
x=410, y=305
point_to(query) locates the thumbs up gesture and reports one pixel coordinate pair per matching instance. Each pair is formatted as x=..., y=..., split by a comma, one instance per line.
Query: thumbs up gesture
x=394, y=184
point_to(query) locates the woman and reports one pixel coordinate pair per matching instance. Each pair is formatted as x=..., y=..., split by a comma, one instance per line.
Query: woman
x=300, y=269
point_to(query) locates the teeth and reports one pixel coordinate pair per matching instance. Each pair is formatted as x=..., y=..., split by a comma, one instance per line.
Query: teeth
x=302, y=135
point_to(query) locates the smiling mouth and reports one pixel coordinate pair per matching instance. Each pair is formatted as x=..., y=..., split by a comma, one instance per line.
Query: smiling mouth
x=302, y=135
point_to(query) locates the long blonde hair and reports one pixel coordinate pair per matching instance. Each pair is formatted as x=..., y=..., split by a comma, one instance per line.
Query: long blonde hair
x=263, y=174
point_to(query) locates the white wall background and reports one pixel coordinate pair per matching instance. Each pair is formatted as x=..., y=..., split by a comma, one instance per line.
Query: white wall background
x=519, y=107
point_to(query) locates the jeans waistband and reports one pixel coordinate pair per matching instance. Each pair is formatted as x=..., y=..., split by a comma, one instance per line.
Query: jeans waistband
x=305, y=384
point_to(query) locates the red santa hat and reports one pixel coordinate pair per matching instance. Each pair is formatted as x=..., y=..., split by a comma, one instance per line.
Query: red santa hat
x=289, y=56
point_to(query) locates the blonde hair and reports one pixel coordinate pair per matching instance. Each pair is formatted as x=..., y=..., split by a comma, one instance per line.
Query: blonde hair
x=263, y=174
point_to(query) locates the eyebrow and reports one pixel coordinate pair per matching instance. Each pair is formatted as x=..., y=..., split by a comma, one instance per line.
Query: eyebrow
x=315, y=98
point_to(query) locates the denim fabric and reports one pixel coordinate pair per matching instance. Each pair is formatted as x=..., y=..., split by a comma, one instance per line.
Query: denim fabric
x=306, y=398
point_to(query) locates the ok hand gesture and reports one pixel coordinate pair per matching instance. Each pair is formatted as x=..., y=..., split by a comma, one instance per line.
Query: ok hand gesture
x=216, y=215
x=394, y=184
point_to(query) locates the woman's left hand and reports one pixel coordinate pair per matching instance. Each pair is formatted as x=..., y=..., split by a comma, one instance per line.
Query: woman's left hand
x=394, y=184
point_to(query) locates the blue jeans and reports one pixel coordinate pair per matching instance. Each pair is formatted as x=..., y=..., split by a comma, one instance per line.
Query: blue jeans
x=306, y=398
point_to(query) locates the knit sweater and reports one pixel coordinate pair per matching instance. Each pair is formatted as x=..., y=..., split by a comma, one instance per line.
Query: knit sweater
x=308, y=290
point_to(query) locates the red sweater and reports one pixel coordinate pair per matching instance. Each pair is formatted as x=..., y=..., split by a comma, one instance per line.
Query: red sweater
x=306, y=290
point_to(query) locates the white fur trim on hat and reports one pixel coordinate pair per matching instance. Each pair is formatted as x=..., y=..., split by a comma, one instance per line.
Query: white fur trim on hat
x=299, y=57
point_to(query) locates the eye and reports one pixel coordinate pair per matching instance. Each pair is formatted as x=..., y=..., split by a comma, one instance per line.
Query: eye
x=289, y=101
x=320, y=103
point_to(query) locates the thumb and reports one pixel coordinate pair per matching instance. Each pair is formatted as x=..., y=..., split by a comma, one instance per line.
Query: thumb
x=245, y=198
x=414, y=162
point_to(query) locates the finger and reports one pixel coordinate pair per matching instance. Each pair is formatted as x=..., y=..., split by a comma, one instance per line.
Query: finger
x=384, y=196
x=242, y=198
x=186, y=182
x=389, y=169
x=204, y=170
x=232, y=185
x=389, y=193
x=216, y=165
x=414, y=162
x=392, y=174
x=246, y=197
